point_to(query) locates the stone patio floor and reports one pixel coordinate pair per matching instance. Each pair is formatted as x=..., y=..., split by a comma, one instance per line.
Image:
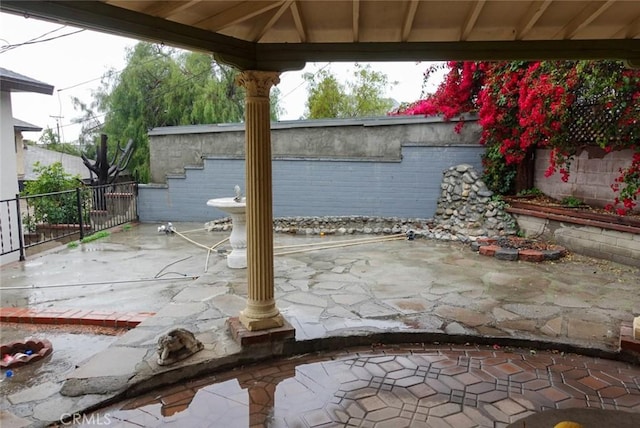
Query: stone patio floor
x=403, y=291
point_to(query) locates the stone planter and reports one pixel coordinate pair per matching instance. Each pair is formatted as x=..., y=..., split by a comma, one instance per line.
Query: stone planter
x=577, y=215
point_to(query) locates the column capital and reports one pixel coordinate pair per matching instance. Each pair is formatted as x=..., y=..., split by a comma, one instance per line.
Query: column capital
x=258, y=83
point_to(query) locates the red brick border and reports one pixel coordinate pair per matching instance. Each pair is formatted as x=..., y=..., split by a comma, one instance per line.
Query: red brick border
x=488, y=250
x=74, y=316
x=488, y=247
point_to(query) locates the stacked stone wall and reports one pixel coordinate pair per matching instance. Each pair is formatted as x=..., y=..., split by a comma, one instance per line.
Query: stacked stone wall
x=466, y=207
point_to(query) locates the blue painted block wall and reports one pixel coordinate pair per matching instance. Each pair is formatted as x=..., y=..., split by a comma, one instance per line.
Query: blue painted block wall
x=409, y=188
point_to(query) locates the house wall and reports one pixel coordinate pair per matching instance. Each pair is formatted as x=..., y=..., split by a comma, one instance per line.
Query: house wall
x=591, y=174
x=8, y=176
x=390, y=169
x=19, y=154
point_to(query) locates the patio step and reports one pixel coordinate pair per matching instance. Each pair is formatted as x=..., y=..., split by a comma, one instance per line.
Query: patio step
x=74, y=316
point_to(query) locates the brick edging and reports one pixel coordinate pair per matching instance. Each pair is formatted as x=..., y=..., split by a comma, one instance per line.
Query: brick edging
x=73, y=317
x=489, y=247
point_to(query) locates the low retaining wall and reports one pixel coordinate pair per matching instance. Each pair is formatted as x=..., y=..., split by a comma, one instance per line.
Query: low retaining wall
x=583, y=236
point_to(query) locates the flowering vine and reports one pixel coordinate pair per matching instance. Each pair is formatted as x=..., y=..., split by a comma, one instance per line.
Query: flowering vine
x=523, y=105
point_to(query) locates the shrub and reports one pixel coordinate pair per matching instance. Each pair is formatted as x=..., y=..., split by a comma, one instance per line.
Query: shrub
x=57, y=208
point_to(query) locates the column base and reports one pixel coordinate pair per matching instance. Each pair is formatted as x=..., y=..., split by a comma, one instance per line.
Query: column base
x=271, y=336
x=629, y=342
x=254, y=324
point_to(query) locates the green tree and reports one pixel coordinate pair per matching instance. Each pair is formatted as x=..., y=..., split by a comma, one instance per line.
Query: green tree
x=49, y=137
x=162, y=86
x=363, y=96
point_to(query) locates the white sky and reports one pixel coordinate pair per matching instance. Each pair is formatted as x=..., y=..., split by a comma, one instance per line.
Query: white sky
x=75, y=64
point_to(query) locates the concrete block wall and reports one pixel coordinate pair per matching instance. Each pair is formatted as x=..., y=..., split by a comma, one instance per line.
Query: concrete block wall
x=591, y=174
x=621, y=247
x=372, y=139
x=409, y=187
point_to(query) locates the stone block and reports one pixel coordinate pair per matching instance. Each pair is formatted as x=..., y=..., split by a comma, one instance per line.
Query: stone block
x=509, y=254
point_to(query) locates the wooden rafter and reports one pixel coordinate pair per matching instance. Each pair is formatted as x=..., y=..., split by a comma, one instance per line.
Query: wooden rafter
x=584, y=18
x=284, y=51
x=240, y=13
x=356, y=20
x=407, y=25
x=297, y=19
x=629, y=31
x=165, y=9
x=272, y=21
x=531, y=17
x=471, y=19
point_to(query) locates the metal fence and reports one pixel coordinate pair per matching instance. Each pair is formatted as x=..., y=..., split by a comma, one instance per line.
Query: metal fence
x=27, y=221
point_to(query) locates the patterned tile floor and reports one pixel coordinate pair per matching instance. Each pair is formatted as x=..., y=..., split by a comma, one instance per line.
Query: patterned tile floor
x=414, y=385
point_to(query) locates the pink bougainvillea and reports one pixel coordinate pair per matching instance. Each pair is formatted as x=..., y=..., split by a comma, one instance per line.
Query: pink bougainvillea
x=526, y=105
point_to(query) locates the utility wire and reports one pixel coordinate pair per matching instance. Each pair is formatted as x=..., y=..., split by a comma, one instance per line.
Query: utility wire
x=7, y=48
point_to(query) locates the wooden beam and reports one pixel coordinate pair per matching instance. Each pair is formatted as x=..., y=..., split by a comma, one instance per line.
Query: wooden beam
x=298, y=21
x=272, y=53
x=356, y=20
x=99, y=16
x=470, y=22
x=237, y=14
x=407, y=25
x=584, y=18
x=629, y=31
x=272, y=21
x=165, y=9
x=530, y=18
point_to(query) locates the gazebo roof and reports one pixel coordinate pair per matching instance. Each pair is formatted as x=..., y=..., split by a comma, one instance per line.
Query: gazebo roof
x=284, y=34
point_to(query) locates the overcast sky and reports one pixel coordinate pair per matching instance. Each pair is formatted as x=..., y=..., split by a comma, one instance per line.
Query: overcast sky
x=74, y=64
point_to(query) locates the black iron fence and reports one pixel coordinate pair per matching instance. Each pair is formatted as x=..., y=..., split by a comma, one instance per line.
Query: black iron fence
x=27, y=221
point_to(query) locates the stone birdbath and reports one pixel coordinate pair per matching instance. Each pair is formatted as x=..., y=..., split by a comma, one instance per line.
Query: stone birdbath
x=236, y=208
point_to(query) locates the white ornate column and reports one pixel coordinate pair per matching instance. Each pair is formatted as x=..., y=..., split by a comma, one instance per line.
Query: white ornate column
x=261, y=312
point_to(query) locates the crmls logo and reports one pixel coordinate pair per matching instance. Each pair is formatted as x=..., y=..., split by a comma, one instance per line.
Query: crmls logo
x=92, y=419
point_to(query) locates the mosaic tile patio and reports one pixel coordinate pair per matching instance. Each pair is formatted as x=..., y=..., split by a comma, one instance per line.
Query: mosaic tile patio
x=406, y=386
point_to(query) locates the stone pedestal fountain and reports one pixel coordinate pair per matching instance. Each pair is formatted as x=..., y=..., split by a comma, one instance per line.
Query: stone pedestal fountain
x=236, y=208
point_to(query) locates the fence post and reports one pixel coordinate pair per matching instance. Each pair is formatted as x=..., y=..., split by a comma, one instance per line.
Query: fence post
x=135, y=191
x=79, y=202
x=20, y=236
